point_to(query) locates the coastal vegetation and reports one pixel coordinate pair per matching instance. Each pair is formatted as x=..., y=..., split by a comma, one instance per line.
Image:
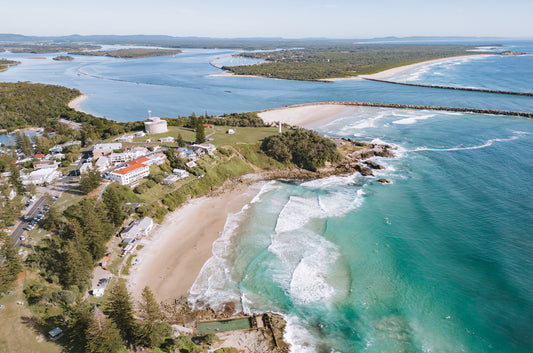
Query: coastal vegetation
x=132, y=53
x=24, y=104
x=5, y=64
x=45, y=47
x=337, y=61
x=63, y=58
x=304, y=148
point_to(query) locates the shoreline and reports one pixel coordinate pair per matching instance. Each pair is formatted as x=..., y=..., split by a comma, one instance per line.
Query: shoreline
x=176, y=250
x=387, y=74
x=76, y=102
x=382, y=75
x=301, y=115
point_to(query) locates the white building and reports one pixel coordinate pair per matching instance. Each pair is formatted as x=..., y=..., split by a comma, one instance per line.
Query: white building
x=104, y=149
x=138, y=228
x=204, y=147
x=56, y=149
x=181, y=173
x=134, y=171
x=166, y=139
x=155, y=125
x=41, y=176
x=102, y=164
x=171, y=179
x=140, y=134
x=124, y=138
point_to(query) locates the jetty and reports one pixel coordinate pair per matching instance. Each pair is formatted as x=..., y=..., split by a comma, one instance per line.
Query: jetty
x=471, y=89
x=528, y=115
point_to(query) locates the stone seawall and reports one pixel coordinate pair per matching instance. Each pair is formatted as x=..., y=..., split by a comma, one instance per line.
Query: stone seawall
x=424, y=107
x=471, y=89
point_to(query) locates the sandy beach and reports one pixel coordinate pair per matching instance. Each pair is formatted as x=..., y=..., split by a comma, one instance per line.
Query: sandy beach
x=301, y=115
x=76, y=102
x=387, y=74
x=176, y=250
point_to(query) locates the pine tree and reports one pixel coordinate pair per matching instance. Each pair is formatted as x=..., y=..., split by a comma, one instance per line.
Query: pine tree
x=102, y=335
x=90, y=181
x=120, y=309
x=77, y=264
x=79, y=323
x=113, y=204
x=14, y=178
x=179, y=140
x=200, y=131
x=152, y=329
x=10, y=264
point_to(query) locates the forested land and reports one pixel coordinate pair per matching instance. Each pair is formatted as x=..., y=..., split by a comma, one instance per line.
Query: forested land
x=132, y=53
x=304, y=148
x=25, y=104
x=43, y=48
x=323, y=62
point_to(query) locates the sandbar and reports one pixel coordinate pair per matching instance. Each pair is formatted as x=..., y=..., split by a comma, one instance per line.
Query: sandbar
x=176, y=250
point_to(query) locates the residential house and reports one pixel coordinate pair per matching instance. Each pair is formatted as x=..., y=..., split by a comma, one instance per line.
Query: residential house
x=181, y=173
x=105, y=149
x=167, y=139
x=138, y=228
x=204, y=147
x=171, y=179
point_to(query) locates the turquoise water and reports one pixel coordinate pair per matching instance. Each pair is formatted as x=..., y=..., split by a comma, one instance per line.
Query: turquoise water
x=438, y=261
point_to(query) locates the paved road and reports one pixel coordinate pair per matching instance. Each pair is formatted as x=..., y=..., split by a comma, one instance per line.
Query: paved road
x=31, y=214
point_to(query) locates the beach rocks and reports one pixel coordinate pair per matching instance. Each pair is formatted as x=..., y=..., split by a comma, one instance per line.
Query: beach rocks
x=373, y=165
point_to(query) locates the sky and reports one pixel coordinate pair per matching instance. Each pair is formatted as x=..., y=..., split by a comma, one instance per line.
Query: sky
x=271, y=18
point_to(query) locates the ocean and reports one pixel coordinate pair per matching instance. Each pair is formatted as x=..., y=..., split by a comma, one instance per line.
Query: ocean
x=440, y=260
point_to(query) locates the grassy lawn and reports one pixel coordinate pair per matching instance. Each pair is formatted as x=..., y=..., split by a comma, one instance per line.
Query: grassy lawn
x=68, y=199
x=16, y=331
x=218, y=133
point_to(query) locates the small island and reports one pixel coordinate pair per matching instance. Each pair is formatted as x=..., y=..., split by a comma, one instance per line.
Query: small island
x=132, y=53
x=5, y=64
x=63, y=58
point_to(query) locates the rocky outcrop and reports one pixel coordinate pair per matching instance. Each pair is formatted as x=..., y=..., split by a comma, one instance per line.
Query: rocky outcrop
x=373, y=165
x=384, y=181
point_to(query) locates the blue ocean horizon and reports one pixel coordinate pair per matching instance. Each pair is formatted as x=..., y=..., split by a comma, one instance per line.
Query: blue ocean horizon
x=440, y=260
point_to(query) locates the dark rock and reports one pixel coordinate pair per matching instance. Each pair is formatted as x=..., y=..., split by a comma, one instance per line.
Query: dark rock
x=384, y=181
x=373, y=165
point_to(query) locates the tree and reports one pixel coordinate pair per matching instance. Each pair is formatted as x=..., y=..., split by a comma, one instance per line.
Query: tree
x=90, y=181
x=52, y=220
x=179, y=140
x=14, y=178
x=81, y=317
x=10, y=264
x=102, y=335
x=200, y=131
x=113, y=201
x=152, y=329
x=77, y=264
x=120, y=310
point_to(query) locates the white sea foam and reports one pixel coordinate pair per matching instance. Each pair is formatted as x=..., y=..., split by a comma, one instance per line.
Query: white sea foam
x=309, y=279
x=461, y=148
x=296, y=213
x=271, y=185
x=214, y=284
x=413, y=119
x=300, y=339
